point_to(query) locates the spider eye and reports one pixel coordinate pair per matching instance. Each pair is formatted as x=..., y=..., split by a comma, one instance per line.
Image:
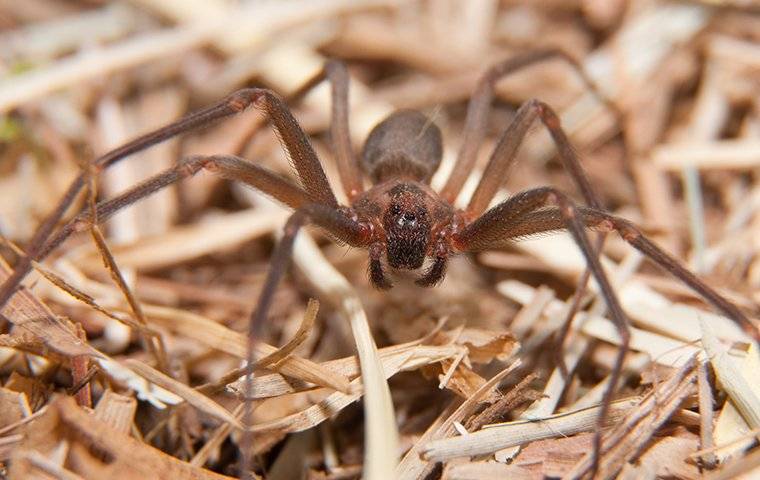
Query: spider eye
x=395, y=209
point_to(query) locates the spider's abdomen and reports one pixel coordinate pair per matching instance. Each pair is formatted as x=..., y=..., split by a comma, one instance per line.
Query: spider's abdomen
x=405, y=145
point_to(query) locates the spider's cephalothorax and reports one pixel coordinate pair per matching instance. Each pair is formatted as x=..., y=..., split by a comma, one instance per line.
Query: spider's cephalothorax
x=407, y=227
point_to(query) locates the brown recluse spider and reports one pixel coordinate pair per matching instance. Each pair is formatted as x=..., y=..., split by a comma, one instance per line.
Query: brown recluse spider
x=399, y=219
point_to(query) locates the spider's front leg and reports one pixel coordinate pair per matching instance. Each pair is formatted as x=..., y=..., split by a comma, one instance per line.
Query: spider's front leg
x=231, y=105
x=293, y=139
x=495, y=225
x=504, y=155
x=341, y=226
x=524, y=215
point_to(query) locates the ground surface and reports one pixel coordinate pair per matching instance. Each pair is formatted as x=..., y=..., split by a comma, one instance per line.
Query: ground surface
x=102, y=380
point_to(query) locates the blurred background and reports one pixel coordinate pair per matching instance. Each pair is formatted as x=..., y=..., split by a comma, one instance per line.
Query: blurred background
x=680, y=157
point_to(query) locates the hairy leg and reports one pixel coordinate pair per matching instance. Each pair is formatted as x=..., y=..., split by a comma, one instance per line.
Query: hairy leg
x=293, y=138
x=332, y=220
x=339, y=224
x=503, y=156
x=231, y=105
x=496, y=222
x=480, y=105
x=520, y=216
x=543, y=221
x=336, y=74
x=505, y=153
x=234, y=168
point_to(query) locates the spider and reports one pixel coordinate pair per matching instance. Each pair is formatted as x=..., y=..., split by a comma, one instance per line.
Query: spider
x=400, y=219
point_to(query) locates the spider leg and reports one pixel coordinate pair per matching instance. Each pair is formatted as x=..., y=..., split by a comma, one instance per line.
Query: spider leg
x=336, y=73
x=503, y=157
x=505, y=153
x=477, y=114
x=543, y=221
x=519, y=217
x=327, y=217
x=293, y=138
x=348, y=167
x=230, y=167
x=498, y=221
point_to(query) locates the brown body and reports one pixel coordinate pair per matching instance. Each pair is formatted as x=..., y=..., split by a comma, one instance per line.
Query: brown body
x=409, y=221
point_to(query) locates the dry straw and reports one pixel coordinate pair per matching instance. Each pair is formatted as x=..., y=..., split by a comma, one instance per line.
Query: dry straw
x=122, y=356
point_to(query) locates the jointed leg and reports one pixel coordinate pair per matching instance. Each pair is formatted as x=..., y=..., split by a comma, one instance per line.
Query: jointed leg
x=504, y=155
x=294, y=139
x=227, y=107
x=498, y=220
x=234, y=168
x=500, y=224
x=336, y=74
x=543, y=221
x=480, y=105
x=340, y=225
x=348, y=168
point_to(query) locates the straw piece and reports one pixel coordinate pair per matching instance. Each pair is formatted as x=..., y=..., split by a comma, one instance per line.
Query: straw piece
x=185, y=243
x=409, y=359
x=155, y=344
x=415, y=463
x=29, y=314
x=381, y=436
x=531, y=312
x=629, y=437
x=723, y=154
x=553, y=390
x=97, y=63
x=145, y=390
x=312, y=308
x=217, y=437
x=219, y=337
x=497, y=410
x=732, y=378
x=214, y=335
x=664, y=457
x=738, y=468
x=732, y=431
x=118, y=411
x=661, y=349
x=481, y=470
x=86, y=435
x=80, y=296
x=199, y=401
x=499, y=436
x=274, y=385
x=706, y=415
x=43, y=40
x=14, y=407
x=234, y=30
x=30, y=416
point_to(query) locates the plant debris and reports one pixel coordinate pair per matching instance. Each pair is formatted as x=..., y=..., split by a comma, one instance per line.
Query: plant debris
x=123, y=354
